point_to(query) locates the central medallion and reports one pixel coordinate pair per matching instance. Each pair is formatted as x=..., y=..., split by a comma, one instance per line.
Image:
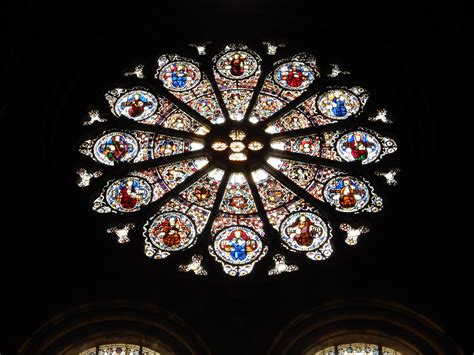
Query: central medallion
x=237, y=144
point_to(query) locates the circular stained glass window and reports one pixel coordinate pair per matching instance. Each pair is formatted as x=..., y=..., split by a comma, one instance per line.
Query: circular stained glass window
x=252, y=163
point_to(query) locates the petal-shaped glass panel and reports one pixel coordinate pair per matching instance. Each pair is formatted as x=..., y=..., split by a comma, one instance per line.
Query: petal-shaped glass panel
x=345, y=193
x=237, y=231
x=272, y=193
x=141, y=187
x=135, y=146
x=323, y=108
x=152, y=109
x=237, y=70
x=237, y=196
x=361, y=145
x=288, y=80
x=203, y=192
x=184, y=79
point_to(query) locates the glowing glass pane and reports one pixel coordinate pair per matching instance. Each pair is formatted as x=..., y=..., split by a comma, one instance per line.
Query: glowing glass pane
x=321, y=109
x=203, y=192
x=271, y=191
x=237, y=156
x=255, y=145
x=236, y=70
x=237, y=146
x=290, y=78
x=365, y=146
x=237, y=196
x=291, y=189
x=357, y=349
x=237, y=135
x=219, y=146
x=183, y=78
x=135, y=146
x=152, y=109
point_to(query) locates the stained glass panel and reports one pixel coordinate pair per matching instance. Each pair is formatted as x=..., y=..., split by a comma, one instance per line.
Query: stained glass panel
x=237, y=70
x=184, y=79
x=344, y=192
x=288, y=80
x=152, y=109
x=281, y=182
x=361, y=145
x=141, y=187
x=135, y=146
x=331, y=106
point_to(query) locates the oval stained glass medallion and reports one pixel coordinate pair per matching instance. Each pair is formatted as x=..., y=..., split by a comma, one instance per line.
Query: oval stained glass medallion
x=239, y=162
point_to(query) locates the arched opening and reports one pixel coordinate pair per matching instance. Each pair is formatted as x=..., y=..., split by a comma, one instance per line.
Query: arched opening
x=115, y=328
x=363, y=327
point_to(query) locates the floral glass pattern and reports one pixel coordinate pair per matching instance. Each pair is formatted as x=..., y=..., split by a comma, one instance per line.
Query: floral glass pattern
x=236, y=160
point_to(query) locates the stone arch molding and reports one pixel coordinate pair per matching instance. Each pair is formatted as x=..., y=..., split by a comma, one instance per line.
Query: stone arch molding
x=371, y=321
x=89, y=325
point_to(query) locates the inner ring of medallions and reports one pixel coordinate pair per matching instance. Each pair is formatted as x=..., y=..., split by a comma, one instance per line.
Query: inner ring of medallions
x=237, y=144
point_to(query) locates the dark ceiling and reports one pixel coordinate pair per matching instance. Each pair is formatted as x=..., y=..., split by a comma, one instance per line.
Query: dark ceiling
x=66, y=55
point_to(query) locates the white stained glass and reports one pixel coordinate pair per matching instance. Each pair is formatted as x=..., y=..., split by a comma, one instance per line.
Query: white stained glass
x=255, y=145
x=237, y=135
x=237, y=157
x=237, y=146
x=219, y=146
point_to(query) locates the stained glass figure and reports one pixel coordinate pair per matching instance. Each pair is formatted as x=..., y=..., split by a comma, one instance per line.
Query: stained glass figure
x=168, y=232
x=349, y=194
x=323, y=108
x=152, y=109
x=141, y=187
x=237, y=70
x=135, y=146
x=289, y=79
x=184, y=79
x=273, y=174
x=361, y=145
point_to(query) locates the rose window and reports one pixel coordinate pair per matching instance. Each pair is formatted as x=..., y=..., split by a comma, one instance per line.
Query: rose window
x=238, y=157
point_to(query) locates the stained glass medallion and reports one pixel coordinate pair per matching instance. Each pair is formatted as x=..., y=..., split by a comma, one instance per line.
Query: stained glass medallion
x=238, y=160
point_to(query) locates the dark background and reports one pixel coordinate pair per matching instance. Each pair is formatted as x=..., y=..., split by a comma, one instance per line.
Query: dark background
x=65, y=56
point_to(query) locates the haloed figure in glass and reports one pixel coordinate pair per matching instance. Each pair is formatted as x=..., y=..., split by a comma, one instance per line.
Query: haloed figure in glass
x=172, y=232
x=238, y=244
x=130, y=194
x=136, y=106
x=303, y=231
x=347, y=194
x=359, y=145
x=115, y=148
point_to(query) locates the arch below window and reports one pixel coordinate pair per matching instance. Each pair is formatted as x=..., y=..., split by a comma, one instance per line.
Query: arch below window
x=381, y=323
x=91, y=326
x=357, y=349
x=120, y=349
